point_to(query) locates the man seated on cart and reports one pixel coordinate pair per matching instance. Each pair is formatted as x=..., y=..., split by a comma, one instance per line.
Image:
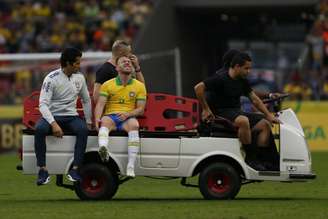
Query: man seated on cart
x=228, y=87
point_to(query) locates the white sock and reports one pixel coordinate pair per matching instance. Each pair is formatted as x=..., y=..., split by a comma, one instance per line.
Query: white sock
x=133, y=147
x=103, y=137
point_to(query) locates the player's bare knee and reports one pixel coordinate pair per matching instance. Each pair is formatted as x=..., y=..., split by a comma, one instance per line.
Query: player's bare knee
x=107, y=122
x=242, y=122
x=133, y=124
x=265, y=125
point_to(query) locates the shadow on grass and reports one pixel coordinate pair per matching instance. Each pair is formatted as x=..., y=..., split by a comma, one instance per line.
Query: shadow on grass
x=281, y=199
x=234, y=200
x=256, y=199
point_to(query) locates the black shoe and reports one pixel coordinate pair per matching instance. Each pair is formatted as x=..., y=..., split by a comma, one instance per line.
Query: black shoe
x=256, y=165
x=271, y=167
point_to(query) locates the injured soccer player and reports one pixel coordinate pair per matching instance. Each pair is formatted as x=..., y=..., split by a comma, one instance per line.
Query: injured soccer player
x=121, y=100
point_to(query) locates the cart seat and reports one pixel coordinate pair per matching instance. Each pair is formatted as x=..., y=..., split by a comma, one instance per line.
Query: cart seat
x=219, y=127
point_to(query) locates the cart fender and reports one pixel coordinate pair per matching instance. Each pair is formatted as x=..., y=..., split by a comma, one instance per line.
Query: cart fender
x=69, y=164
x=238, y=159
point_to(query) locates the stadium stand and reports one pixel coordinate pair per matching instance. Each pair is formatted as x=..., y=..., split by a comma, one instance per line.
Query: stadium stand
x=92, y=25
x=42, y=26
x=314, y=79
x=48, y=26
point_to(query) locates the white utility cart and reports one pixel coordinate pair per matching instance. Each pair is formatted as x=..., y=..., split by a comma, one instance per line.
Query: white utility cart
x=217, y=159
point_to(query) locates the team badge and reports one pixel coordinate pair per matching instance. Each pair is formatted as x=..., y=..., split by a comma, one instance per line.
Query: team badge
x=132, y=94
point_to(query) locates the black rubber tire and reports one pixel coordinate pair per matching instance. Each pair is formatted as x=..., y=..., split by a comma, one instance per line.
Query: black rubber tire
x=98, y=182
x=219, y=181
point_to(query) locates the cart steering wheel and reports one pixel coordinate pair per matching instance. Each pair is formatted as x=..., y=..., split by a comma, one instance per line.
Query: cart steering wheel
x=276, y=101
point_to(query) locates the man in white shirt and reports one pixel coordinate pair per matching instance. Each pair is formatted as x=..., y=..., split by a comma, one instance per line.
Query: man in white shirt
x=57, y=105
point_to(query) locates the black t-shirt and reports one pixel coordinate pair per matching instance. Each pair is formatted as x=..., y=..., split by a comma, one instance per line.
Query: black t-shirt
x=211, y=96
x=106, y=72
x=225, y=91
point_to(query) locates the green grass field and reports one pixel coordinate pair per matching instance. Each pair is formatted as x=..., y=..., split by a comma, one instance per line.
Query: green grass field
x=149, y=198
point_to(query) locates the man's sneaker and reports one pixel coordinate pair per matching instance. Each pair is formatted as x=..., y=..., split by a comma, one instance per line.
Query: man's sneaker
x=73, y=175
x=271, y=166
x=43, y=177
x=130, y=172
x=256, y=165
x=103, y=153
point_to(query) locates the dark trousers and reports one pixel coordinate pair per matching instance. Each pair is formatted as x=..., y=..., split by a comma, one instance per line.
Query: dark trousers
x=70, y=123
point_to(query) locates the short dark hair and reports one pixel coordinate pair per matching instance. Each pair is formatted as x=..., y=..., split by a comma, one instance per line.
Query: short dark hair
x=228, y=56
x=69, y=55
x=240, y=59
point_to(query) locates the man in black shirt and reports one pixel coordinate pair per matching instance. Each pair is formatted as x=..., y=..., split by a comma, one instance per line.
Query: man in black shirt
x=228, y=87
x=108, y=70
x=227, y=59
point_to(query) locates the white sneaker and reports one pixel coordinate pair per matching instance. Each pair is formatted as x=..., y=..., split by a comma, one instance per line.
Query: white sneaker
x=130, y=172
x=103, y=153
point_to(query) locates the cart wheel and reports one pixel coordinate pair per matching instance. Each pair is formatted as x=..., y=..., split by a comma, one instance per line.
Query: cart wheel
x=219, y=181
x=98, y=183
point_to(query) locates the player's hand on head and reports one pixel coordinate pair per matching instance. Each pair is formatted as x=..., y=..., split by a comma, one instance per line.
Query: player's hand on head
x=135, y=61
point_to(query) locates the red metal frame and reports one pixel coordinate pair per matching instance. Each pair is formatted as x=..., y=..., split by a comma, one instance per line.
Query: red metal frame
x=163, y=112
x=166, y=112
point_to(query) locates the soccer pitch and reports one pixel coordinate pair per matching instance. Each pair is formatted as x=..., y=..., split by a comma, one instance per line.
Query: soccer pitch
x=149, y=198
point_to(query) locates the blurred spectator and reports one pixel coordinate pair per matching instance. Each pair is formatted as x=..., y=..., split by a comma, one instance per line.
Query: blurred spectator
x=325, y=40
x=48, y=25
x=298, y=89
x=315, y=84
x=324, y=94
x=28, y=26
x=283, y=65
x=316, y=43
x=22, y=85
x=6, y=84
x=323, y=6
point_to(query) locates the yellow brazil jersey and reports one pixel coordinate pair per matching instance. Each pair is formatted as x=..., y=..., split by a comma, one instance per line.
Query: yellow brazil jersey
x=122, y=98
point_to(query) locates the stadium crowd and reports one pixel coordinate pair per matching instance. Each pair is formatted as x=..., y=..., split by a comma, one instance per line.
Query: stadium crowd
x=312, y=83
x=49, y=25
x=28, y=26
